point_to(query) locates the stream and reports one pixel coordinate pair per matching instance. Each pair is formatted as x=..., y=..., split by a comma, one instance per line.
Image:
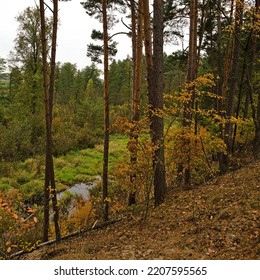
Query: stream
x=80, y=189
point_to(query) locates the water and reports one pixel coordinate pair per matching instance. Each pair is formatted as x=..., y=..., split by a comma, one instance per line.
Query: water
x=80, y=189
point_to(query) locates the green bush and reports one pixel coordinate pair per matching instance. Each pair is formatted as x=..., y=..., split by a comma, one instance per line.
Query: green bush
x=33, y=191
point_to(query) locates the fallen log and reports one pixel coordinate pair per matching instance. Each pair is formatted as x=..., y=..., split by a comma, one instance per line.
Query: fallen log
x=96, y=226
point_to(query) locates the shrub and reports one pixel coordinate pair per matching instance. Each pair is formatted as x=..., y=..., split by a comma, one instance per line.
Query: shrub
x=192, y=151
x=19, y=226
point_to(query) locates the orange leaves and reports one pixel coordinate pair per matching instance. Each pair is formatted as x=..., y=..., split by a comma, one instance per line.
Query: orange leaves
x=122, y=125
x=17, y=221
x=15, y=216
x=31, y=210
x=8, y=244
x=3, y=205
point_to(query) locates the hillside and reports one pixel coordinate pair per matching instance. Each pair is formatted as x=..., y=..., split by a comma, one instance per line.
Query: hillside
x=219, y=220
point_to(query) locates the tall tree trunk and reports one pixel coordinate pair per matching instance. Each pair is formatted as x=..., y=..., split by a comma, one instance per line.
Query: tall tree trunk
x=49, y=185
x=191, y=75
x=106, y=111
x=51, y=94
x=148, y=49
x=255, y=39
x=223, y=157
x=154, y=64
x=220, y=101
x=46, y=210
x=232, y=80
x=133, y=157
x=137, y=45
x=156, y=99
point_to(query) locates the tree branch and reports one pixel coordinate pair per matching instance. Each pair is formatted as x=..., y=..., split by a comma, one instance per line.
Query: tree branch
x=119, y=33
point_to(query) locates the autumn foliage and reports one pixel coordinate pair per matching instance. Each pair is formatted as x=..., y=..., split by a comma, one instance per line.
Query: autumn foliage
x=18, y=225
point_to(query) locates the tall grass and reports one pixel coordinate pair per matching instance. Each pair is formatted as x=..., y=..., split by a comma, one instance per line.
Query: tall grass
x=74, y=167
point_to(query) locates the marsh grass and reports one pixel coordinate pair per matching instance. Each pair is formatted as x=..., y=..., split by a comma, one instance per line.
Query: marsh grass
x=71, y=168
x=85, y=165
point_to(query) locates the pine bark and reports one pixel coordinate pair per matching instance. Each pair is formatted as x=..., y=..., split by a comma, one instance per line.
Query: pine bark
x=137, y=45
x=49, y=184
x=220, y=102
x=46, y=210
x=233, y=77
x=255, y=39
x=51, y=94
x=106, y=111
x=191, y=75
x=154, y=69
x=156, y=99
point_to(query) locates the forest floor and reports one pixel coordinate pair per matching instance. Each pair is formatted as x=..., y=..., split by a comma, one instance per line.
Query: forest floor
x=218, y=220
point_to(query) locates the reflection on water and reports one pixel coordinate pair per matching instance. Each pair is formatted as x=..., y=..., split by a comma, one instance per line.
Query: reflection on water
x=80, y=189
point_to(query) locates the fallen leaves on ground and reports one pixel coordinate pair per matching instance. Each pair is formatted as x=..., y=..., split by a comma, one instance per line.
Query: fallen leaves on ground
x=219, y=220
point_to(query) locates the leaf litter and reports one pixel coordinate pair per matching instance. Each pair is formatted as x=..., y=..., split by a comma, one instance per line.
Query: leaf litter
x=218, y=220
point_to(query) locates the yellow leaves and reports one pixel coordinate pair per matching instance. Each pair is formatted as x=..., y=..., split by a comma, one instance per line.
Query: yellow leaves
x=107, y=200
x=9, y=249
x=192, y=151
x=81, y=216
x=205, y=80
x=191, y=92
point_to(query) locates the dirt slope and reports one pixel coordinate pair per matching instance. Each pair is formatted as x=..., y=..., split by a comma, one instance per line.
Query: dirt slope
x=220, y=220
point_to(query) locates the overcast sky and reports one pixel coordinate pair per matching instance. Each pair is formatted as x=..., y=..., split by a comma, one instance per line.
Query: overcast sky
x=75, y=28
x=73, y=35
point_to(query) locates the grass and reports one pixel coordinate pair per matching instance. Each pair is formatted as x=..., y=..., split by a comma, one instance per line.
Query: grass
x=74, y=167
x=85, y=165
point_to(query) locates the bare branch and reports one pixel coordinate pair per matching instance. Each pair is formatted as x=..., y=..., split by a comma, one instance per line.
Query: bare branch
x=119, y=33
